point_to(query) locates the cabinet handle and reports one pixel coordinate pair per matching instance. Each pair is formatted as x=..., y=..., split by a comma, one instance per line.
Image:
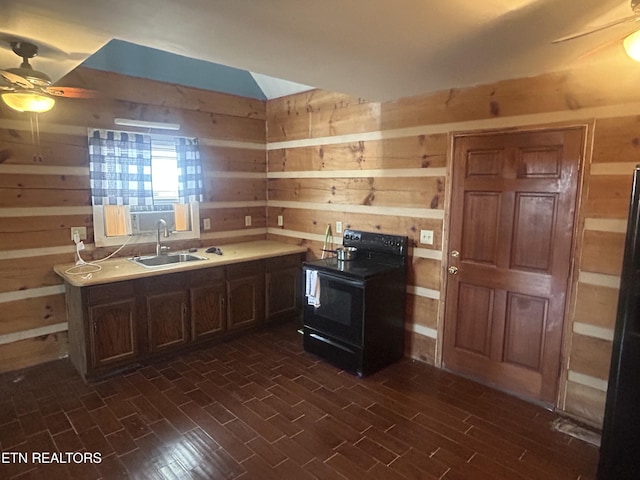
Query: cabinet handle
x=95, y=327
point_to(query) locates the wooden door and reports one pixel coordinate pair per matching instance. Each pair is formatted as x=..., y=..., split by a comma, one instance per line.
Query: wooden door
x=512, y=214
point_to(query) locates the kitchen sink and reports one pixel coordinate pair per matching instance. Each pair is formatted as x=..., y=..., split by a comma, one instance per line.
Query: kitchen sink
x=170, y=259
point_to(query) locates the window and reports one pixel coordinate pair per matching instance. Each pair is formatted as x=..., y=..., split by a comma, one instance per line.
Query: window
x=164, y=171
x=138, y=179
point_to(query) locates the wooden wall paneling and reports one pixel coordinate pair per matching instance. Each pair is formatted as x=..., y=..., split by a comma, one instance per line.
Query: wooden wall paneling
x=23, y=198
x=585, y=403
x=422, y=311
x=424, y=272
x=100, y=113
x=590, y=356
x=41, y=182
x=19, y=147
x=39, y=231
x=422, y=151
x=32, y=313
x=602, y=252
x=25, y=273
x=315, y=221
x=617, y=140
x=226, y=159
x=425, y=192
x=225, y=219
x=420, y=347
x=33, y=351
x=223, y=189
x=596, y=305
x=608, y=196
x=574, y=89
x=152, y=92
x=319, y=113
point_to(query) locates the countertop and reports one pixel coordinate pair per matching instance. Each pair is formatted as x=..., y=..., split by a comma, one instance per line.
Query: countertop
x=119, y=269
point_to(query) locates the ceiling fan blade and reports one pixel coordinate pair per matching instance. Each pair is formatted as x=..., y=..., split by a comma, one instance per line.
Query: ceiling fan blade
x=620, y=21
x=15, y=80
x=71, y=92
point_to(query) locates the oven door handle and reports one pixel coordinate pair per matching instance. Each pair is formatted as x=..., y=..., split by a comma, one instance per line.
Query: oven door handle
x=320, y=338
x=339, y=279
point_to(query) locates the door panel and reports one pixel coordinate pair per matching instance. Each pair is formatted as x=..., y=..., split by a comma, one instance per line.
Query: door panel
x=512, y=212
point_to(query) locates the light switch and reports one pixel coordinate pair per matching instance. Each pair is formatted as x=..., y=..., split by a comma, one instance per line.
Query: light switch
x=338, y=227
x=206, y=223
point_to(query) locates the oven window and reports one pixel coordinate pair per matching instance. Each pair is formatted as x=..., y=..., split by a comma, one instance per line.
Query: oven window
x=335, y=305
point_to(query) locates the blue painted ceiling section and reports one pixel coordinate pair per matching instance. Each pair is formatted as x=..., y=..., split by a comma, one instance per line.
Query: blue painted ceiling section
x=138, y=61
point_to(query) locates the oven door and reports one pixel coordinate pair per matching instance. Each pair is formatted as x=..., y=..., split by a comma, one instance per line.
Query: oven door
x=341, y=308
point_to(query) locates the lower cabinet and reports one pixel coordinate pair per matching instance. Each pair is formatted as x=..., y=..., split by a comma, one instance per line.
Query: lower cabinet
x=282, y=280
x=117, y=325
x=167, y=311
x=245, y=291
x=112, y=328
x=208, y=298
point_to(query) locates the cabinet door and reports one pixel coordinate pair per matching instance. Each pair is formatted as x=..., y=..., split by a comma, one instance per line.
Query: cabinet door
x=208, y=310
x=167, y=324
x=112, y=332
x=282, y=292
x=245, y=290
x=243, y=302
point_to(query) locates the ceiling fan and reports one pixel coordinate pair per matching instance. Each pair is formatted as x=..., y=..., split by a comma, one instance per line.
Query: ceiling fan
x=27, y=90
x=631, y=42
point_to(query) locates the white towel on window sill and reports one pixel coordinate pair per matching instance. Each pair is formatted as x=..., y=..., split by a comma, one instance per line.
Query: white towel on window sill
x=312, y=287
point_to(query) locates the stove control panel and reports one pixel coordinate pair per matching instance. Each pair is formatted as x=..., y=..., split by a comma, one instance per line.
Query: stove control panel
x=376, y=242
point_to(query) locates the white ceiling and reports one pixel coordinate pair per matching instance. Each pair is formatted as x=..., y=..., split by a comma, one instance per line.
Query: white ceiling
x=375, y=49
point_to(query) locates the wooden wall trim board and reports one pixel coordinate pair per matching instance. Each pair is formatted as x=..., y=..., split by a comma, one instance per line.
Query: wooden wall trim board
x=30, y=293
x=423, y=292
x=606, y=225
x=611, y=281
x=594, y=331
x=588, y=381
x=377, y=173
x=422, y=330
x=33, y=333
x=367, y=209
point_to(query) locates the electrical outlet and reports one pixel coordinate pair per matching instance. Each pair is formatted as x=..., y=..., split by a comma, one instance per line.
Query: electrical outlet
x=80, y=231
x=247, y=220
x=280, y=220
x=338, y=227
x=426, y=237
x=206, y=223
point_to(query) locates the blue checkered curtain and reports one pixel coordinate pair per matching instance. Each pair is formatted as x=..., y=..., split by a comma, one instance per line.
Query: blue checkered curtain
x=120, y=168
x=190, y=182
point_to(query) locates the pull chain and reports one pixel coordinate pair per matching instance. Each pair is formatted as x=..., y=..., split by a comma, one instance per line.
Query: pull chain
x=35, y=137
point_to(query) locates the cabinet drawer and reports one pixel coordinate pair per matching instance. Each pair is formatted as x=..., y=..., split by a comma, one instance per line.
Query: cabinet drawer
x=99, y=294
x=285, y=261
x=206, y=276
x=166, y=282
x=242, y=270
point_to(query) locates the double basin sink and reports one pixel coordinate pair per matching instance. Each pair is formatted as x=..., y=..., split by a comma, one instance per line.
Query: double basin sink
x=151, y=261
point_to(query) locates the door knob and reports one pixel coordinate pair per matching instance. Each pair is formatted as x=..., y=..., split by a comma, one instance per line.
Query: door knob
x=453, y=270
x=455, y=253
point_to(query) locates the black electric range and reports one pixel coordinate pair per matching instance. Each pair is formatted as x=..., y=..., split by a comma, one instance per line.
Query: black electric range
x=356, y=318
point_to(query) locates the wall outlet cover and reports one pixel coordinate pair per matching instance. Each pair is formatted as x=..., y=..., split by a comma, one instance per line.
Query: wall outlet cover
x=280, y=220
x=80, y=231
x=338, y=227
x=247, y=220
x=206, y=223
x=426, y=237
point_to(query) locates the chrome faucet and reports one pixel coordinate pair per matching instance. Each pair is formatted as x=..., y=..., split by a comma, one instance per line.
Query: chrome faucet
x=160, y=249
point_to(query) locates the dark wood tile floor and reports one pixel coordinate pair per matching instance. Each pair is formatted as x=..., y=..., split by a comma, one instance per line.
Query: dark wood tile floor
x=261, y=408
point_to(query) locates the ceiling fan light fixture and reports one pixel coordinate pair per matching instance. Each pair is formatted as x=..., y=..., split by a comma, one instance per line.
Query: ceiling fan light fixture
x=632, y=45
x=28, y=101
